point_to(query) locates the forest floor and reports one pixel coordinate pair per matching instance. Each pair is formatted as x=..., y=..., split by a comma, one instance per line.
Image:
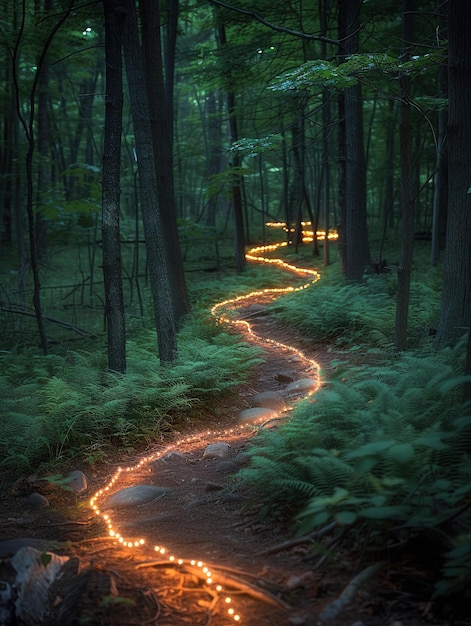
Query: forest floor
x=209, y=516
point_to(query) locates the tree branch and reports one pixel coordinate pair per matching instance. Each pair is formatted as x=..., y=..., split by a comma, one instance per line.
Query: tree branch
x=281, y=29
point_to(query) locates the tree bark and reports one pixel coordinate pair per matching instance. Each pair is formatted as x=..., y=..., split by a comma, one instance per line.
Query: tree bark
x=111, y=191
x=161, y=126
x=357, y=252
x=237, y=208
x=455, y=312
x=440, y=191
x=407, y=193
x=151, y=211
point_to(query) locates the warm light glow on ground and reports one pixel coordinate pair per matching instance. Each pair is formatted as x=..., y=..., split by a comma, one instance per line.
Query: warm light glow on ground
x=219, y=310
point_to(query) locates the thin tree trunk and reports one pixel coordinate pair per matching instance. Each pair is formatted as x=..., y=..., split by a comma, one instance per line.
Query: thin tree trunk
x=111, y=190
x=440, y=190
x=407, y=194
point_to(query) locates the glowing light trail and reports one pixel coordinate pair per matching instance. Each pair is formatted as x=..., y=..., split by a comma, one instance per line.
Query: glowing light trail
x=255, y=255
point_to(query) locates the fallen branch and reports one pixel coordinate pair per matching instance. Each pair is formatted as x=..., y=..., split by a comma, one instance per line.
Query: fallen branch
x=76, y=329
x=292, y=543
x=332, y=610
x=227, y=580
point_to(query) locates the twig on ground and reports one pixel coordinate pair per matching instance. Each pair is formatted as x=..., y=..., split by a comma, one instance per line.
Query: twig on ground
x=292, y=543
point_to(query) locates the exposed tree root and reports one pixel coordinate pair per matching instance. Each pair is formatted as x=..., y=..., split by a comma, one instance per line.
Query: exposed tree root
x=332, y=610
x=226, y=579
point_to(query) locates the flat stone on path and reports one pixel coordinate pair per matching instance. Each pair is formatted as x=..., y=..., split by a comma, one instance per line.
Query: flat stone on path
x=300, y=386
x=134, y=496
x=218, y=450
x=255, y=415
x=269, y=400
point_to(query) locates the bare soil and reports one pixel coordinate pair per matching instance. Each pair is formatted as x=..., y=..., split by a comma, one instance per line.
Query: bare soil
x=210, y=516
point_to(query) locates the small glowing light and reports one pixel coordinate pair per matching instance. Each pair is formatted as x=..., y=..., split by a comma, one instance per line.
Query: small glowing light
x=236, y=618
x=231, y=611
x=228, y=600
x=218, y=588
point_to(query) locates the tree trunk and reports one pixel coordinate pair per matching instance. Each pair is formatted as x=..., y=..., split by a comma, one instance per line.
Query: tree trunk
x=357, y=250
x=237, y=207
x=440, y=187
x=111, y=190
x=455, y=312
x=407, y=193
x=151, y=212
x=161, y=126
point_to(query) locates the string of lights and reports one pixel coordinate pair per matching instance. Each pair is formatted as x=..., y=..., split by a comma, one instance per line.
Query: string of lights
x=219, y=310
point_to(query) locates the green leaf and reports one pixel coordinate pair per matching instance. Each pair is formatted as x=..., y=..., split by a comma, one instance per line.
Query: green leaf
x=385, y=512
x=401, y=452
x=375, y=447
x=345, y=517
x=45, y=558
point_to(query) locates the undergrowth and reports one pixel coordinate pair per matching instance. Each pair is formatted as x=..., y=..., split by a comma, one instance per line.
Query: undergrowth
x=384, y=449
x=345, y=314
x=58, y=406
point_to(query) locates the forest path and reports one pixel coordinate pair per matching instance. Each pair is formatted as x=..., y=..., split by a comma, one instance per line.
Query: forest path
x=201, y=553
x=181, y=512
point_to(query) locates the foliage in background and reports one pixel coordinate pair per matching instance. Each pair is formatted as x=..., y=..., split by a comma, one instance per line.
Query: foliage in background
x=344, y=314
x=58, y=406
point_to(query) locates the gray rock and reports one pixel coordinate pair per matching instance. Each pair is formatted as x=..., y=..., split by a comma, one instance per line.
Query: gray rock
x=36, y=572
x=225, y=467
x=213, y=487
x=218, y=450
x=37, y=501
x=284, y=377
x=269, y=400
x=134, y=496
x=77, y=481
x=256, y=415
x=301, y=386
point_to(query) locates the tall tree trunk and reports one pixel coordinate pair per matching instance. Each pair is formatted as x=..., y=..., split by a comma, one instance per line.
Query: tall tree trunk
x=341, y=149
x=237, y=206
x=407, y=187
x=162, y=142
x=455, y=312
x=151, y=212
x=111, y=191
x=440, y=187
x=356, y=228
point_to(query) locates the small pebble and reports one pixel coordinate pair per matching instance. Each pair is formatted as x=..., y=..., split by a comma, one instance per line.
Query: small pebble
x=37, y=501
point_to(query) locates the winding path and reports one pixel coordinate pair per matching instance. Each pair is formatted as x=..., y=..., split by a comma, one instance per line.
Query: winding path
x=128, y=488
